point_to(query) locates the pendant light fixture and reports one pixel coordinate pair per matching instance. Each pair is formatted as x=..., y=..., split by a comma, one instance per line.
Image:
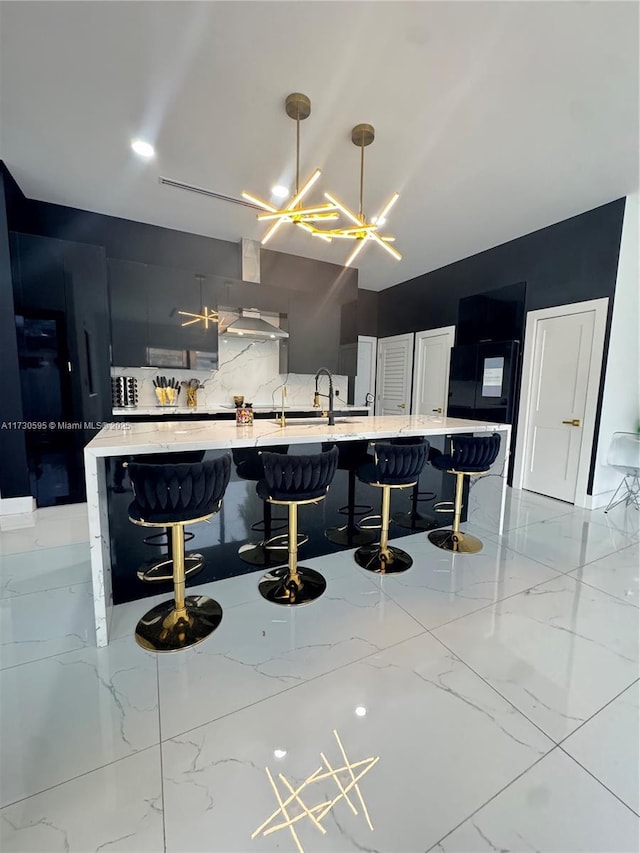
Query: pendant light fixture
x=298, y=108
x=360, y=230
x=208, y=315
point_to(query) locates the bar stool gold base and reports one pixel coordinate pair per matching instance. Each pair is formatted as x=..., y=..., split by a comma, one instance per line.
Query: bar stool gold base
x=165, y=629
x=383, y=561
x=460, y=543
x=350, y=537
x=278, y=587
x=163, y=571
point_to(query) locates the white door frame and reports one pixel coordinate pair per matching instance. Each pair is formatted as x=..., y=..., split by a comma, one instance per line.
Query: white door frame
x=370, y=380
x=600, y=307
x=422, y=336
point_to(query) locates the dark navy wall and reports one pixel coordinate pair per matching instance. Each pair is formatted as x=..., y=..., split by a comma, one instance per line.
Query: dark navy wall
x=129, y=240
x=571, y=261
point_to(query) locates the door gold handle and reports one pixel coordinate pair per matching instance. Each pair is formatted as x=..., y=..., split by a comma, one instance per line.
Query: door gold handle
x=401, y=406
x=574, y=422
x=438, y=410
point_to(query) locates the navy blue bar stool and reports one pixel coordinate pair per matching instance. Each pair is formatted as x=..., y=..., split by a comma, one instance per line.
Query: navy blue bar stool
x=161, y=571
x=394, y=466
x=291, y=481
x=470, y=455
x=172, y=496
x=414, y=519
x=249, y=466
x=351, y=455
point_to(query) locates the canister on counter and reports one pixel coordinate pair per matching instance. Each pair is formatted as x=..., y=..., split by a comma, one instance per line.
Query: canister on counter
x=244, y=414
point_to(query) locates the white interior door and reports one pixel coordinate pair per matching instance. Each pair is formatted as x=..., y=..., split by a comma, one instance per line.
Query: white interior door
x=431, y=371
x=393, y=376
x=562, y=359
x=365, y=382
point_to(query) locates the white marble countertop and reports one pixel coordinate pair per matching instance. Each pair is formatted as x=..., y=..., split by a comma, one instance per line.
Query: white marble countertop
x=165, y=411
x=121, y=439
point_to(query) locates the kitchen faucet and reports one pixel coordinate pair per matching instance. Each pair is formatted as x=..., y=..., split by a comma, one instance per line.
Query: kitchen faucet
x=316, y=401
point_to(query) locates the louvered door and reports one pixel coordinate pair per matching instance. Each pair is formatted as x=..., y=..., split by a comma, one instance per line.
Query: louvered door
x=393, y=378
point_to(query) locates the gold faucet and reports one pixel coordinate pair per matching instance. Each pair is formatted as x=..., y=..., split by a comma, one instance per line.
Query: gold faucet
x=282, y=418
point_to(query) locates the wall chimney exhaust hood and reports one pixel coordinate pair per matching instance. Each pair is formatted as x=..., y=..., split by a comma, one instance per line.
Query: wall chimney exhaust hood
x=251, y=325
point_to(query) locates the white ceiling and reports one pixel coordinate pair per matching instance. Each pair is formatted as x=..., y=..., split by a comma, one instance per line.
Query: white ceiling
x=492, y=119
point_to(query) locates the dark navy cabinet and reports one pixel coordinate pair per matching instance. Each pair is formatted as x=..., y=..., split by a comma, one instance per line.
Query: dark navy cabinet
x=146, y=321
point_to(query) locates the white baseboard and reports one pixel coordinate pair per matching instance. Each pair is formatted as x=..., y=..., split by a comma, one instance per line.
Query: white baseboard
x=11, y=506
x=599, y=501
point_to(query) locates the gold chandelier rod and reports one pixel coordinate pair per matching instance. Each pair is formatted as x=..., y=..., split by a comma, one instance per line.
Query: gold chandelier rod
x=297, y=107
x=362, y=231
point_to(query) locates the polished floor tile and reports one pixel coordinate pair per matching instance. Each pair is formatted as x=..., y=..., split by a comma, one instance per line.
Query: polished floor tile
x=441, y=586
x=118, y=808
x=47, y=568
x=617, y=573
x=608, y=746
x=623, y=519
x=554, y=807
x=521, y=508
x=567, y=542
x=73, y=713
x=458, y=675
x=47, y=532
x=445, y=741
x=559, y=652
x=261, y=649
x=43, y=624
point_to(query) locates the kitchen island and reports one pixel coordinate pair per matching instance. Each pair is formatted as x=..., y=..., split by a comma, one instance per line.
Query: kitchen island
x=137, y=439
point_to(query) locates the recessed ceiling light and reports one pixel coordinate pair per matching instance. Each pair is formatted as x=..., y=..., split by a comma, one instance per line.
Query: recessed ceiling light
x=279, y=753
x=142, y=148
x=279, y=191
x=361, y=711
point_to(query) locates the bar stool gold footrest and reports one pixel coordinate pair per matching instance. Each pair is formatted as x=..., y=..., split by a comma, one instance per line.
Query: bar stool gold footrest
x=445, y=506
x=279, y=587
x=165, y=629
x=376, y=522
x=163, y=571
x=458, y=542
x=383, y=561
x=281, y=542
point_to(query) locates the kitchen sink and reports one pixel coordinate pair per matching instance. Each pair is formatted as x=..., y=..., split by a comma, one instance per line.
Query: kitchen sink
x=319, y=421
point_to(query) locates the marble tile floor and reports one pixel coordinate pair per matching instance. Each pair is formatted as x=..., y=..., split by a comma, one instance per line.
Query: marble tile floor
x=489, y=701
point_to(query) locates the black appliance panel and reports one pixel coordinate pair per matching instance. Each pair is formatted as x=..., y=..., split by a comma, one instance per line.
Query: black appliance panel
x=482, y=381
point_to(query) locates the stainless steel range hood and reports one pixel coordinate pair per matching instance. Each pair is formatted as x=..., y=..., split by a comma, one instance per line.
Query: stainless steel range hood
x=251, y=325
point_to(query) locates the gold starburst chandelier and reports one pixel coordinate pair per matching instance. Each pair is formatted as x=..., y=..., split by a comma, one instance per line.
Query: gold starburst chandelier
x=360, y=230
x=298, y=107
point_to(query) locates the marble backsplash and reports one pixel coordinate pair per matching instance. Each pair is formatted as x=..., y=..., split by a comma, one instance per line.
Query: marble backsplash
x=245, y=367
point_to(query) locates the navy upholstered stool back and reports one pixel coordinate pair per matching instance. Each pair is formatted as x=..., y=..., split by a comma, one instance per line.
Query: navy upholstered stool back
x=248, y=460
x=175, y=493
x=172, y=495
x=470, y=454
x=162, y=570
x=395, y=464
x=351, y=456
x=294, y=480
x=297, y=478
